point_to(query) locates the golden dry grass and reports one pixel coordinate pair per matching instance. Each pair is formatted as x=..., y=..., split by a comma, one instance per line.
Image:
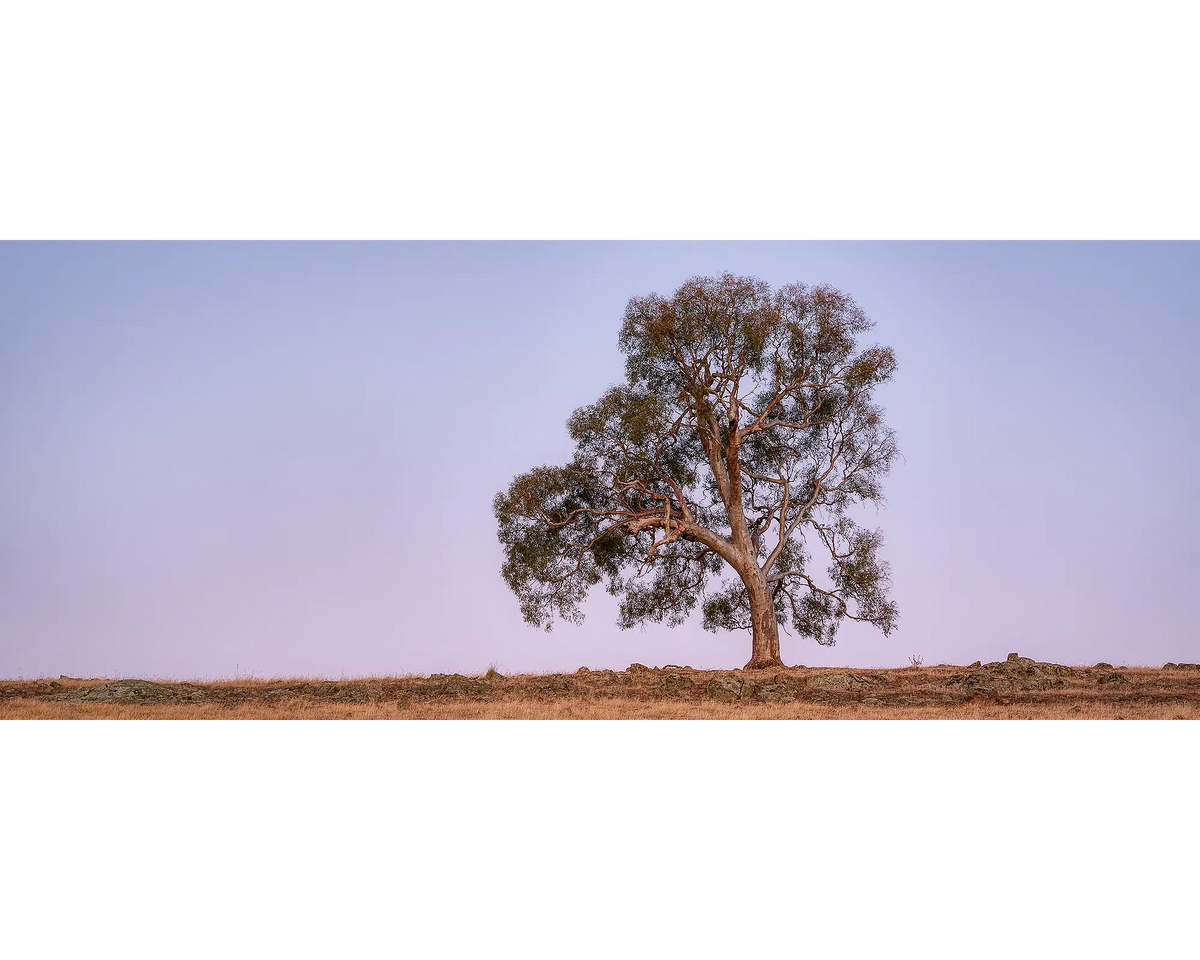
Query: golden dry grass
x=914, y=694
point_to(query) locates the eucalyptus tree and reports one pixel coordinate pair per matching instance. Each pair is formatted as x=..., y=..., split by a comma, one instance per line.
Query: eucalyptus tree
x=723, y=472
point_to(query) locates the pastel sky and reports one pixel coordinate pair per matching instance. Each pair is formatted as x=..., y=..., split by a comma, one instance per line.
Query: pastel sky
x=279, y=458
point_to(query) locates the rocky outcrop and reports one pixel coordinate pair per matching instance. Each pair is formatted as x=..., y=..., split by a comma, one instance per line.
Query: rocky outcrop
x=774, y=693
x=138, y=691
x=452, y=685
x=1007, y=676
x=554, y=684
x=978, y=682
x=842, y=681
x=729, y=687
x=677, y=685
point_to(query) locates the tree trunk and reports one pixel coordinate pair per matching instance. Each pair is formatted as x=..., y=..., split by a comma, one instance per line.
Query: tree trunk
x=765, y=628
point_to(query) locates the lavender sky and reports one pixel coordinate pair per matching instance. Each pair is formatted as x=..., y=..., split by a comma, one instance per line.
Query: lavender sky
x=279, y=459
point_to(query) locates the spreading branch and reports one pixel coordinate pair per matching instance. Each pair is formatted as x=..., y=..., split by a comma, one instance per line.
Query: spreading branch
x=744, y=410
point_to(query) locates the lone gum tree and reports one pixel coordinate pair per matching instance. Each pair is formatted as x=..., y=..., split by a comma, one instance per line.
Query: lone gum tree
x=742, y=438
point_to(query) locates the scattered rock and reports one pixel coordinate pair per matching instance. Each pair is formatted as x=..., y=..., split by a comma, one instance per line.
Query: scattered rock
x=775, y=693
x=677, y=685
x=1005, y=678
x=452, y=685
x=138, y=691
x=728, y=687
x=1027, y=674
x=978, y=683
x=845, y=680
x=1170, y=666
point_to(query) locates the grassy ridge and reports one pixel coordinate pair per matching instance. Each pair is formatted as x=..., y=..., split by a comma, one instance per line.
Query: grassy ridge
x=1016, y=688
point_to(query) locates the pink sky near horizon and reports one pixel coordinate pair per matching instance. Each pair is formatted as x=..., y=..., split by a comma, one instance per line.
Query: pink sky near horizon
x=279, y=459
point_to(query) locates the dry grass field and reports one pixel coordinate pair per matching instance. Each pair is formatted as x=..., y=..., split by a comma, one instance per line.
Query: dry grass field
x=1017, y=688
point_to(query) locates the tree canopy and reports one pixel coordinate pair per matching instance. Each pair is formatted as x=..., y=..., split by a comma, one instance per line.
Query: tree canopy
x=723, y=472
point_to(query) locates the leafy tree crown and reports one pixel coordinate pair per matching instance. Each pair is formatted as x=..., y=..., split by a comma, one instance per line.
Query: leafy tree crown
x=743, y=436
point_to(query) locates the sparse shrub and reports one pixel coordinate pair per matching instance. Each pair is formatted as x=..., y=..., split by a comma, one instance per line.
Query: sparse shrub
x=916, y=660
x=492, y=672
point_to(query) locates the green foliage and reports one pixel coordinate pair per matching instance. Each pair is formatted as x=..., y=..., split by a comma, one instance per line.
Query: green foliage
x=744, y=435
